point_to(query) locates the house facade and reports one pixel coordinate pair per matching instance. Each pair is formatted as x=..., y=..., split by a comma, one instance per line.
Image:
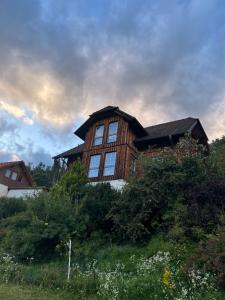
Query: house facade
x=113, y=139
x=16, y=181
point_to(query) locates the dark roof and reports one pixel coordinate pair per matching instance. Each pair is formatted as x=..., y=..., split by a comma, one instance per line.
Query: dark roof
x=74, y=151
x=106, y=112
x=174, y=128
x=170, y=128
x=103, y=110
x=21, y=163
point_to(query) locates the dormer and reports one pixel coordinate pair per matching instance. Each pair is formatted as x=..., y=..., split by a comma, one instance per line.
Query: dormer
x=109, y=126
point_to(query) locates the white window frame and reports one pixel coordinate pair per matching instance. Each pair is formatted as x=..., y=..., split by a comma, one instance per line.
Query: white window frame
x=93, y=166
x=112, y=134
x=109, y=165
x=98, y=136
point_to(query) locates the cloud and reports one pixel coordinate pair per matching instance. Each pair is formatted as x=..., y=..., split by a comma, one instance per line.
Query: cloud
x=6, y=127
x=16, y=112
x=27, y=153
x=158, y=60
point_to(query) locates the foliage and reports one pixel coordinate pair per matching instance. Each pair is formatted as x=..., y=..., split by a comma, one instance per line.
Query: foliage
x=135, y=275
x=151, y=201
x=179, y=196
x=46, y=176
x=217, y=157
x=71, y=184
x=205, y=205
x=37, y=231
x=42, y=175
x=210, y=257
x=11, y=206
x=70, y=210
x=138, y=212
x=93, y=209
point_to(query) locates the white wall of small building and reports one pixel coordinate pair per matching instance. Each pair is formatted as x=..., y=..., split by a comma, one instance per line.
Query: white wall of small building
x=3, y=190
x=24, y=193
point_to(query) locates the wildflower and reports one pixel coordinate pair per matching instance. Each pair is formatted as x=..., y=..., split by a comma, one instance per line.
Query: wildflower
x=166, y=279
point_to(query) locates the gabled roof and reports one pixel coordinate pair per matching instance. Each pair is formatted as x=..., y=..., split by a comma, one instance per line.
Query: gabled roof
x=103, y=110
x=169, y=129
x=106, y=112
x=74, y=151
x=20, y=163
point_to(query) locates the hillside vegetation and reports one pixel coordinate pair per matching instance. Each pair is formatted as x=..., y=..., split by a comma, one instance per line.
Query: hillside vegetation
x=162, y=237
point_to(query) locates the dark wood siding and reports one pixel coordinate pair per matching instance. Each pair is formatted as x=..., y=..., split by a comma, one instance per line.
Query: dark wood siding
x=123, y=147
x=14, y=183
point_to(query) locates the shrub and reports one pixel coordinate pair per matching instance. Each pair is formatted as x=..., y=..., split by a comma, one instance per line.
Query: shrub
x=71, y=184
x=37, y=231
x=94, y=207
x=139, y=210
x=209, y=256
x=11, y=206
x=205, y=206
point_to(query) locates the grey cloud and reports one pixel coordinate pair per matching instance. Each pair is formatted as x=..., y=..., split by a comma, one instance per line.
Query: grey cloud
x=167, y=54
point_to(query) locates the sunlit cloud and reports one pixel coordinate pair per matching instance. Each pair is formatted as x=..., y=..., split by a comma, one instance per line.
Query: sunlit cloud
x=62, y=60
x=15, y=111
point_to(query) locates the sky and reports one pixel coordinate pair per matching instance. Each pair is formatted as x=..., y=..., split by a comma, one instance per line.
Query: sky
x=61, y=60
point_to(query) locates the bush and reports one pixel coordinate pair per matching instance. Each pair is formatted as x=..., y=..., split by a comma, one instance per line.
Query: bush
x=205, y=205
x=139, y=210
x=94, y=208
x=11, y=206
x=71, y=184
x=37, y=231
x=209, y=256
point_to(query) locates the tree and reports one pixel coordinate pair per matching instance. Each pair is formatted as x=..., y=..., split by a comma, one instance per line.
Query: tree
x=42, y=175
x=71, y=183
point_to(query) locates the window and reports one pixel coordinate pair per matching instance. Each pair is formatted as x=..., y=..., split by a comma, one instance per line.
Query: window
x=14, y=176
x=98, y=135
x=110, y=162
x=8, y=173
x=112, y=135
x=94, y=166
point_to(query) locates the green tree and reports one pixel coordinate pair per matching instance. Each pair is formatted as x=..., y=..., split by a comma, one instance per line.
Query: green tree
x=71, y=184
x=42, y=175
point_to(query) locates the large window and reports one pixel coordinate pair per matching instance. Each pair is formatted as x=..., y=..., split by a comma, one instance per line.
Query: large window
x=98, y=135
x=110, y=163
x=94, y=166
x=112, y=135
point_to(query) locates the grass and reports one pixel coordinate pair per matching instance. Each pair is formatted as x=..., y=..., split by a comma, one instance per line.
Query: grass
x=48, y=280
x=18, y=292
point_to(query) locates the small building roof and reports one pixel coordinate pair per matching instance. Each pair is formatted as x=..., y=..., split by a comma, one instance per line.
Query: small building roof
x=10, y=164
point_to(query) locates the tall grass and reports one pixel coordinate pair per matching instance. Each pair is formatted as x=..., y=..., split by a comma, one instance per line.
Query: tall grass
x=153, y=271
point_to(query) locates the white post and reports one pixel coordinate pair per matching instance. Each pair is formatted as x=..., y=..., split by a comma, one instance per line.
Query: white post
x=69, y=260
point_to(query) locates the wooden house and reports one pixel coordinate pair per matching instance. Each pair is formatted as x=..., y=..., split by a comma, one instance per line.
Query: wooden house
x=113, y=139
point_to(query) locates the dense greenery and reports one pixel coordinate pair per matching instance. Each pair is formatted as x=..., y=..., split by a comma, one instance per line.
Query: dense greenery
x=46, y=176
x=178, y=198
